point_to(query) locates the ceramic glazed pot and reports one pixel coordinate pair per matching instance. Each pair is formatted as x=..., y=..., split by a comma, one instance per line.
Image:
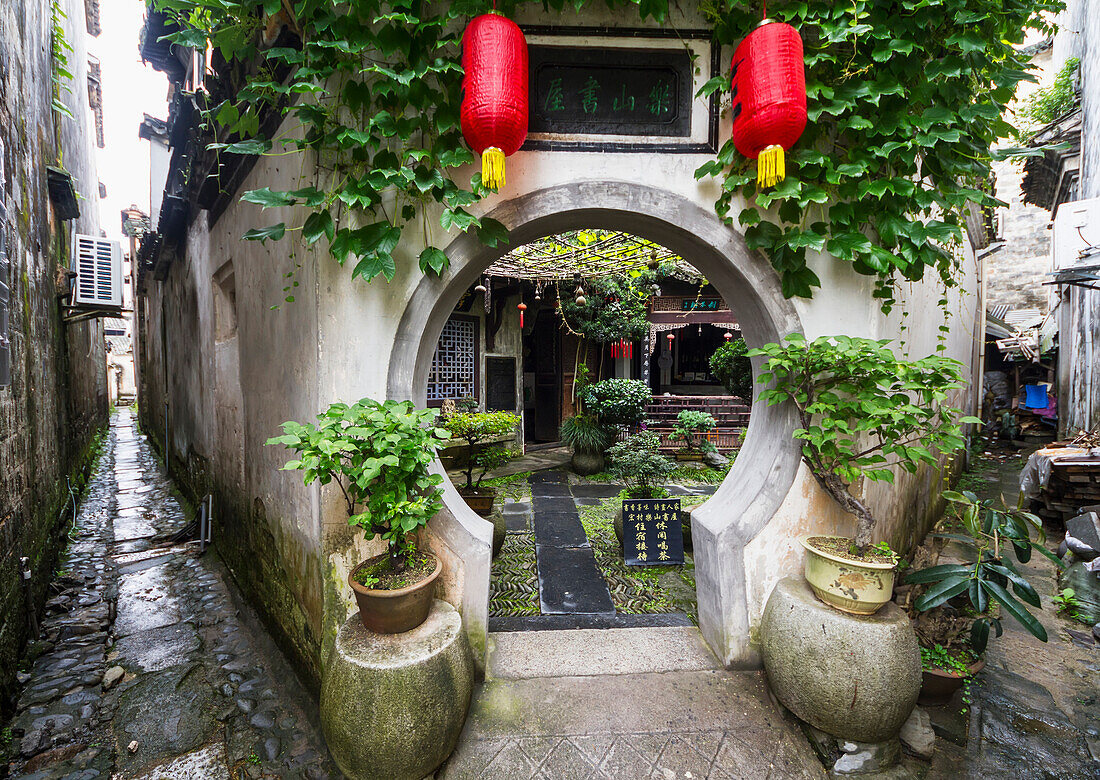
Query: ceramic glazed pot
x=689, y=457
x=394, y=611
x=481, y=501
x=857, y=587
x=939, y=685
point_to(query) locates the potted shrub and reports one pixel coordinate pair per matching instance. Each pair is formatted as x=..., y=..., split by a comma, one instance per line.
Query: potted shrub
x=862, y=411
x=617, y=401
x=691, y=427
x=477, y=429
x=956, y=634
x=588, y=440
x=637, y=461
x=379, y=454
x=730, y=365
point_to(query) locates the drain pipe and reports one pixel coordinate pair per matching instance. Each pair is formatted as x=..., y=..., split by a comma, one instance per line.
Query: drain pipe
x=32, y=619
x=206, y=522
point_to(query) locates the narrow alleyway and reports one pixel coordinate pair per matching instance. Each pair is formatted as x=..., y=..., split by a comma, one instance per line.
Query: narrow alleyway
x=150, y=666
x=1035, y=708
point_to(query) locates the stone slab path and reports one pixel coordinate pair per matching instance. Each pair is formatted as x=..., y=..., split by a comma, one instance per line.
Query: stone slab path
x=150, y=667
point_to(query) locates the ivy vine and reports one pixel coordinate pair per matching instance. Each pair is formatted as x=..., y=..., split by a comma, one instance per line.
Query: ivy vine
x=906, y=99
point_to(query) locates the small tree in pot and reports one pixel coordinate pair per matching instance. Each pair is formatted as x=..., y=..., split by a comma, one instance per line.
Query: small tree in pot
x=691, y=426
x=379, y=455
x=954, y=639
x=477, y=429
x=862, y=411
x=637, y=461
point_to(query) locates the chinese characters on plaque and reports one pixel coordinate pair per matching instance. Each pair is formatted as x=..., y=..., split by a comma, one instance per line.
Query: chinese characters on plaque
x=632, y=92
x=651, y=532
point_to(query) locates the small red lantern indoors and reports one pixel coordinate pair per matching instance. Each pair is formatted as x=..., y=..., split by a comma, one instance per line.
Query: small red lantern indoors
x=769, y=97
x=494, y=99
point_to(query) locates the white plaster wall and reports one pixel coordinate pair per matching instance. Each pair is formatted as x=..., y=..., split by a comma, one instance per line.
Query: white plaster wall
x=335, y=341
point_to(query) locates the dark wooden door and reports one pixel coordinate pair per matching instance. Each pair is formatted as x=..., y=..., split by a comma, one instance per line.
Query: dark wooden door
x=545, y=343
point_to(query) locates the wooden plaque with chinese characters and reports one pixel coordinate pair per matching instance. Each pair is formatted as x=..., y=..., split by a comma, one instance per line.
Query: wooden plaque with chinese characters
x=651, y=532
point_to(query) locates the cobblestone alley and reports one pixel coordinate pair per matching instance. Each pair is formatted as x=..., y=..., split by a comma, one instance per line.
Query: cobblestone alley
x=149, y=666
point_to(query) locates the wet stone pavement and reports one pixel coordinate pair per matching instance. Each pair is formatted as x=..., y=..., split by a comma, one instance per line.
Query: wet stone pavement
x=149, y=665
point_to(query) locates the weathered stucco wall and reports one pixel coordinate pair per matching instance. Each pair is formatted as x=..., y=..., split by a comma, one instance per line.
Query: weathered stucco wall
x=57, y=399
x=341, y=339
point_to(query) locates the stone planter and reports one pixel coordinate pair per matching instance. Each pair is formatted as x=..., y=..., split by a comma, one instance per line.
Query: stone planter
x=855, y=677
x=939, y=685
x=394, y=611
x=393, y=705
x=588, y=463
x=858, y=587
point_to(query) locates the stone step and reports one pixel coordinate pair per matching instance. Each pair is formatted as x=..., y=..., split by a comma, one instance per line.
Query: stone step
x=519, y=655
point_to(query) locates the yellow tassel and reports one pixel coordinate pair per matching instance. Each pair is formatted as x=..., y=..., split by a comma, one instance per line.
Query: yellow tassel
x=492, y=168
x=770, y=166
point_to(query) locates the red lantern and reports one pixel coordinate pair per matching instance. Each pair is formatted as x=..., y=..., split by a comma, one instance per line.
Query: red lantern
x=769, y=97
x=522, y=308
x=494, y=100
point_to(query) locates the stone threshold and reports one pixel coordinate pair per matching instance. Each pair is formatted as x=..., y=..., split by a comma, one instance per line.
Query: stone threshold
x=594, y=652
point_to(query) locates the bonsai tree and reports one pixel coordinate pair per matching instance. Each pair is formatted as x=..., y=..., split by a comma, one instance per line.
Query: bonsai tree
x=476, y=428
x=690, y=425
x=863, y=411
x=731, y=366
x=617, y=401
x=990, y=532
x=637, y=461
x=379, y=455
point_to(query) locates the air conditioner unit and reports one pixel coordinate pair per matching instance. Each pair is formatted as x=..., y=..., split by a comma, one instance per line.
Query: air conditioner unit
x=98, y=266
x=1077, y=234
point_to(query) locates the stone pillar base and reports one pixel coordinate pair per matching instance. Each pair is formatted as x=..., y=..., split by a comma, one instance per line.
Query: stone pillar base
x=392, y=705
x=855, y=677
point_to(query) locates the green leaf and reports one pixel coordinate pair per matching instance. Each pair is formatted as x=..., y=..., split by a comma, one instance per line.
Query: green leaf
x=1017, y=610
x=492, y=233
x=268, y=199
x=947, y=588
x=274, y=232
x=318, y=224
x=433, y=260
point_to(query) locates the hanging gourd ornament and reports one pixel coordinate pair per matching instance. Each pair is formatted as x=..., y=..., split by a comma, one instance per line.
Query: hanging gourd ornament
x=494, y=92
x=769, y=97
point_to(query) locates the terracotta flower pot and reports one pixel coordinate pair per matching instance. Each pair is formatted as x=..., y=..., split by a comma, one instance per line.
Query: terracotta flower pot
x=479, y=500
x=857, y=587
x=939, y=685
x=394, y=611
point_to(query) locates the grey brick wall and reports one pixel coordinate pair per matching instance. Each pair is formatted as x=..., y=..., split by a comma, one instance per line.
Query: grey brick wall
x=57, y=399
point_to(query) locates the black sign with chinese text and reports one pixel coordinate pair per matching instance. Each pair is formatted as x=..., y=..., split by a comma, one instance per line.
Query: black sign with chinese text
x=651, y=532
x=635, y=92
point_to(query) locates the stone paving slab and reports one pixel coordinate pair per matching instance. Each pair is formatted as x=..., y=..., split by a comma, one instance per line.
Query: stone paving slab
x=588, y=652
x=563, y=503
x=559, y=529
x=569, y=581
x=713, y=724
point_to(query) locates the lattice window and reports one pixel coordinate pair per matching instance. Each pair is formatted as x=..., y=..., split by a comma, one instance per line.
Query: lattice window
x=454, y=366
